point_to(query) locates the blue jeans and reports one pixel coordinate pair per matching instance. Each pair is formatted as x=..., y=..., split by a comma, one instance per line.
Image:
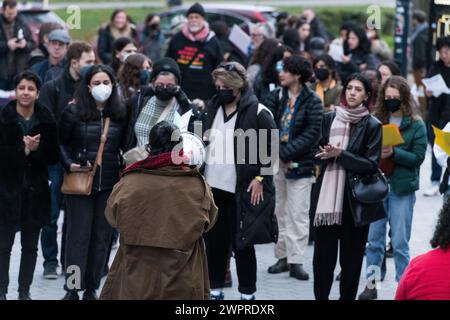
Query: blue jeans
x=399, y=214
x=49, y=233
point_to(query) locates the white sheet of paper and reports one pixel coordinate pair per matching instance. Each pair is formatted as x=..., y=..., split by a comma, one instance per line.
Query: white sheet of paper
x=436, y=85
x=240, y=39
x=336, y=52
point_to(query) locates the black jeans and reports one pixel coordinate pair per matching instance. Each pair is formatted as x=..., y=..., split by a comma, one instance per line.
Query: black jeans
x=218, y=241
x=87, y=239
x=29, y=238
x=352, y=243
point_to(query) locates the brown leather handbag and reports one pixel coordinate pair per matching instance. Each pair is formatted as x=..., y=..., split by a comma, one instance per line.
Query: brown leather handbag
x=80, y=183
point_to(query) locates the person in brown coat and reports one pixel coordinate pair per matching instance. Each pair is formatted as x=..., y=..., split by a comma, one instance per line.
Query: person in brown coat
x=162, y=211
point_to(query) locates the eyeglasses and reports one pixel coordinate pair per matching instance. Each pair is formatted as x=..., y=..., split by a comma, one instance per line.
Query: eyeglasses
x=256, y=35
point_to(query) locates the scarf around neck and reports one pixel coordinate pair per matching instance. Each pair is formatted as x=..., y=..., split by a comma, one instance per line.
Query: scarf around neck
x=200, y=36
x=331, y=197
x=156, y=162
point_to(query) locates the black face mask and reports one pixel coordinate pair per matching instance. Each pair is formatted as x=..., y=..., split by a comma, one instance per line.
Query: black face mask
x=322, y=74
x=153, y=27
x=165, y=94
x=226, y=96
x=392, y=105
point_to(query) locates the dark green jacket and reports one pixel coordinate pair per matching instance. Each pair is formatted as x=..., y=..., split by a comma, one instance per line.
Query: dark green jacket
x=408, y=157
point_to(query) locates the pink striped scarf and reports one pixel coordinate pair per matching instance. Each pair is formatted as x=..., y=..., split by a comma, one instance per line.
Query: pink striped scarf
x=331, y=198
x=201, y=36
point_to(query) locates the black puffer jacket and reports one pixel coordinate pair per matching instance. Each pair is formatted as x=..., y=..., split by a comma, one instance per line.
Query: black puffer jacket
x=362, y=157
x=19, y=173
x=254, y=224
x=304, y=134
x=77, y=137
x=137, y=103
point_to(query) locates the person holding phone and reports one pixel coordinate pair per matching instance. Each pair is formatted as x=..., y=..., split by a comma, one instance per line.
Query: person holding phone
x=81, y=128
x=16, y=43
x=28, y=144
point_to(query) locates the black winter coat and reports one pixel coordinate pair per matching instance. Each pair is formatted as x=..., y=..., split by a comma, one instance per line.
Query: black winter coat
x=357, y=58
x=362, y=157
x=439, y=107
x=19, y=173
x=106, y=41
x=79, y=137
x=138, y=102
x=21, y=56
x=304, y=134
x=197, y=60
x=56, y=94
x=254, y=224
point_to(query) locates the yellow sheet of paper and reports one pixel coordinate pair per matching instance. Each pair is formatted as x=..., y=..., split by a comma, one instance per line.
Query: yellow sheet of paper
x=391, y=135
x=442, y=139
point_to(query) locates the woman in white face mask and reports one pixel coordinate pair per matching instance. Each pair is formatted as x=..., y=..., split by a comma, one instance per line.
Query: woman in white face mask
x=95, y=112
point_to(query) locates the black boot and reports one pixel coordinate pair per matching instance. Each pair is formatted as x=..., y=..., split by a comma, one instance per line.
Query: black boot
x=2, y=297
x=90, y=295
x=297, y=271
x=24, y=295
x=71, y=295
x=368, y=294
x=279, y=267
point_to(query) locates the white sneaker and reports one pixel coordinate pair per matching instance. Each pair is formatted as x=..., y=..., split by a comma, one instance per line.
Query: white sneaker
x=432, y=191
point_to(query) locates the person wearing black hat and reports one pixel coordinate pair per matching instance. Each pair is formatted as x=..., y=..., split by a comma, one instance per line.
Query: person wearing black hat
x=162, y=100
x=198, y=52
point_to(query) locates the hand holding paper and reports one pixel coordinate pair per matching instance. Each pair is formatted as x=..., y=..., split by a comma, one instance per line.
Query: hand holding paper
x=442, y=139
x=436, y=85
x=391, y=135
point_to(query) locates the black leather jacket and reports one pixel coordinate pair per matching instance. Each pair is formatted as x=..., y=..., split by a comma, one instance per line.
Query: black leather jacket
x=77, y=137
x=305, y=132
x=362, y=157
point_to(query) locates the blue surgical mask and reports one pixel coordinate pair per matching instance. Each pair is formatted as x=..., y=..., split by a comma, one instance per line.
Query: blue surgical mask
x=279, y=66
x=144, y=77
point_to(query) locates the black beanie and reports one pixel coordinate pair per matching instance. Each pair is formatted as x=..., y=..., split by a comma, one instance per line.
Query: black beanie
x=166, y=65
x=196, y=8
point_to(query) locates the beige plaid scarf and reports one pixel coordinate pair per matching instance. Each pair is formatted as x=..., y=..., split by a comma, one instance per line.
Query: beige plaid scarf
x=331, y=198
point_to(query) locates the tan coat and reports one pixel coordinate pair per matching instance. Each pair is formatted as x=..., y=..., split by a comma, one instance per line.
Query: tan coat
x=162, y=215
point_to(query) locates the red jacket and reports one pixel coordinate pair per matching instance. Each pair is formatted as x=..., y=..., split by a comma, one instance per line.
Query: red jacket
x=426, y=278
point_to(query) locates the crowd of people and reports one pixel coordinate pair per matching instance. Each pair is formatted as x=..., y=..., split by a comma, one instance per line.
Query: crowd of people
x=115, y=109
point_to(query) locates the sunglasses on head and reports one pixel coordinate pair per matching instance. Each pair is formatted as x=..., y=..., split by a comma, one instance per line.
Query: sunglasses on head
x=228, y=67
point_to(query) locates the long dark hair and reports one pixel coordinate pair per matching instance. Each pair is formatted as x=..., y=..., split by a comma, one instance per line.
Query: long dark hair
x=86, y=103
x=269, y=68
x=366, y=84
x=264, y=50
x=364, y=42
x=118, y=45
x=130, y=72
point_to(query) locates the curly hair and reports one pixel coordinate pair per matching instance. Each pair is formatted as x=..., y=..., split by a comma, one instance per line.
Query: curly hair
x=298, y=66
x=130, y=71
x=441, y=236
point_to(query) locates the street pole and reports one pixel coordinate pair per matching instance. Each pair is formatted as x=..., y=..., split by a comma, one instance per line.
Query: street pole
x=401, y=35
